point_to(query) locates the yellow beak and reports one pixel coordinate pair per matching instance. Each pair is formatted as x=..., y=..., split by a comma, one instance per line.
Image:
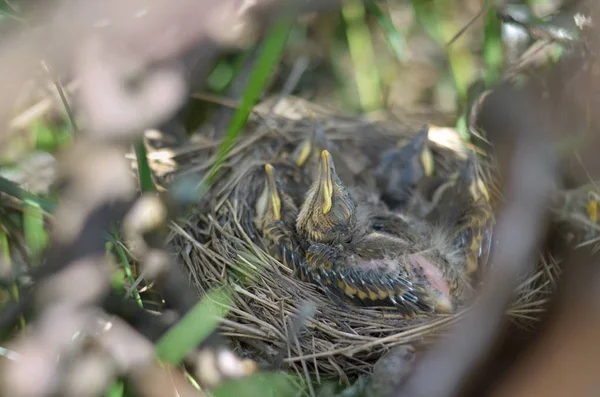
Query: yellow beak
x=307, y=145
x=427, y=161
x=325, y=180
x=304, y=152
x=273, y=193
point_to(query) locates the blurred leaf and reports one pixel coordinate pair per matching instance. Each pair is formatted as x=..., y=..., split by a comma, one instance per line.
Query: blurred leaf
x=14, y=289
x=117, y=389
x=438, y=18
x=270, y=54
x=7, y=11
x=220, y=77
x=44, y=136
x=49, y=138
x=363, y=56
x=346, y=92
x=425, y=13
x=12, y=189
x=144, y=172
x=194, y=327
x=5, y=247
x=493, y=49
x=36, y=237
x=259, y=385
x=394, y=38
x=118, y=281
x=463, y=65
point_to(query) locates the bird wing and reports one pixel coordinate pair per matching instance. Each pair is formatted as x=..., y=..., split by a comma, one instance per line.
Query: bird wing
x=364, y=281
x=282, y=243
x=474, y=234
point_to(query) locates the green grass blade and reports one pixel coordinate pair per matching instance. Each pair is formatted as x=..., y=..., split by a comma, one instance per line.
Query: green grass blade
x=437, y=19
x=12, y=189
x=363, y=56
x=269, y=56
x=118, y=277
x=262, y=384
x=194, y=327
x=394, y=38
x=5, y=247
x=14, y=289
x=36, y=237
x=127, y=270
x=426, y=14
x=144, y=172
x=493, y=49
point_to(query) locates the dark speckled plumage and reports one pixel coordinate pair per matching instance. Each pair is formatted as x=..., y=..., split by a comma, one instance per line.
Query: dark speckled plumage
x=362, y=251
x=360, y=264
x=276, y=216
x=365, y=274
x=459, y=203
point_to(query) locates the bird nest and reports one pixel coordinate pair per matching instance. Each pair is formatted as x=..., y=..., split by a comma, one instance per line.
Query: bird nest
x=276, y=318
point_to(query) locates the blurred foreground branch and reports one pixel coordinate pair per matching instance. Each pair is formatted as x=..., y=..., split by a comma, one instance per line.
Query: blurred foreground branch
x=126, y=58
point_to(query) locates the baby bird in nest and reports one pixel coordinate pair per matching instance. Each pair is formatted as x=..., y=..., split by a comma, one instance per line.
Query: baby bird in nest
x=276, y=215
x=328, y=214
x=365, y=266
x=307, y=155
x=400, y=169
x=460, y=203
x=250, y=190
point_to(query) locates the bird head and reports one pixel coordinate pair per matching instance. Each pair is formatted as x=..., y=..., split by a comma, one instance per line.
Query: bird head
x=328, y=213
x=453, y=200
x=274, y=203
x=310, y=146
x=465, y=182
x=401, y=168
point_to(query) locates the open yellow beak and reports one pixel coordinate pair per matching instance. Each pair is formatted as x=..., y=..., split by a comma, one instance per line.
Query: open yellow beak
x=325, y=180
x=273, y=193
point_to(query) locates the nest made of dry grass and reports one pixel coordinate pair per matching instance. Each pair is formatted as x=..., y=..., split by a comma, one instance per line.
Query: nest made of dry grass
x=216, y=246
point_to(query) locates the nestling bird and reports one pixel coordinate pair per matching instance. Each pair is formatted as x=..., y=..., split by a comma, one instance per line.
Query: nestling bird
x=461, y=204
x=328, y=213
x=276, y=215
x=250, y=187
x=365, y=266
x=475, y=226
x=307, y=155
x=381, y=270
x=400, y=169
x=577, y=210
